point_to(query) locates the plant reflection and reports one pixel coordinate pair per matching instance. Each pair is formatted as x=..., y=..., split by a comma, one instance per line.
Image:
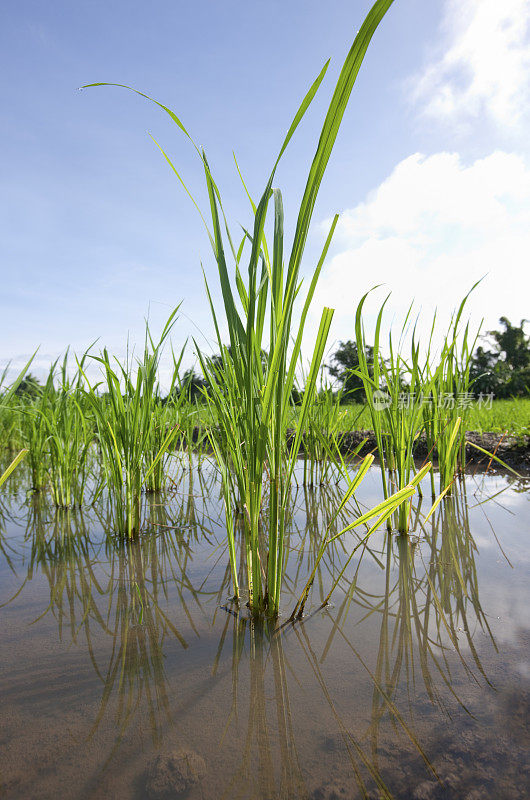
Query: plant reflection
x=429, y=608
x=130, y=602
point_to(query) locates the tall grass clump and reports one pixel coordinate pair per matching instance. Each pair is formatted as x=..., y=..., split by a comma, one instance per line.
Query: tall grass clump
x=6, y=408
x=70, y=432
x=395, y=388
x=34, y=433
x=192, y=440
x=166, y=415
x=57, y=430
x=447, y=409
x=420, y=393
x=323, y=437
x=10, y=427
x=125, y=405
x=251, y=392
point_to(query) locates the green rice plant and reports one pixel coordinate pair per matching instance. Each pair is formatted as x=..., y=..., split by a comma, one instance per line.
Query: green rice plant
x=163, y=420
x=252, y=395
x=194, y=441
x=125, y=419
x=10, y=426
x=407, y=397
x=57, y=431
x=166, y=416
x=35, y=437
x=5, y=401
x=448, y=401
x=395, y=390
x=193, y=427
x=322, y=436
x=511, y=417
x=70, y=433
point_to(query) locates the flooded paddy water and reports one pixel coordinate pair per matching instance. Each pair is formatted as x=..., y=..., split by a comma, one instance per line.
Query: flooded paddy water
x=127, y=672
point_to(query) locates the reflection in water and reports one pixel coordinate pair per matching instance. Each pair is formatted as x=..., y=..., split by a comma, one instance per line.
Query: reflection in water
x=258, y=769
x=171, y=658
x=430, y=602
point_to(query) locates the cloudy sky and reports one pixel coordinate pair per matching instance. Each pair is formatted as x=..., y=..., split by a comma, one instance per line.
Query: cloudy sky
x=431, y=171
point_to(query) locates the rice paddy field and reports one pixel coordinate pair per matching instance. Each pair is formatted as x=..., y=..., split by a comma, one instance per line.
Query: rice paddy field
x=207, y=598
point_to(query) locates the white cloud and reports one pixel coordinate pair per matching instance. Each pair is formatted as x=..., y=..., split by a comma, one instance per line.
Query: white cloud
x=428, y=232
x=483, y=66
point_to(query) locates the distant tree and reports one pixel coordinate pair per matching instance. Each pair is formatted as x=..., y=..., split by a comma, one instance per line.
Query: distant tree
x=482, y=372
x=297, y=396
x=195, y=384
x=191, y=383
x=505, y=369
x=217, y=360
x=28, y=387
x=344, y=360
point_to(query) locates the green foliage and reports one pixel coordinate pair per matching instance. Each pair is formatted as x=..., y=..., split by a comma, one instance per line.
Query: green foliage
x=131, y=435
x=192, y=386
x=28, y=387
x=407, y=395
x=70, y=431
x=57, y=431
x=447, y=410
x=252, y=394
x=6, y=411
x=501, y=416
x=396, y=420
x=345, y=360
x=505, y=370
x=34, y=434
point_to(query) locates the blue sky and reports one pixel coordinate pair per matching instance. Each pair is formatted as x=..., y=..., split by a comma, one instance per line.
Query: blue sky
x=431, y=170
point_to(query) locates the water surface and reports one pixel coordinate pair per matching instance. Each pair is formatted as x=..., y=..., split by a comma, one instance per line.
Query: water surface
x=412, y=684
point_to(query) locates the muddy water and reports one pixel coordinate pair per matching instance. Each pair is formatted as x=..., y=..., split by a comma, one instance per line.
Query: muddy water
x=126, y=672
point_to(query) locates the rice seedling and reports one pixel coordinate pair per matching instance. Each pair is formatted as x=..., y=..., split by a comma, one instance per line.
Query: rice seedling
x=501, y=416
x=252, y=399
x=166, y=415
x=34, y=433
x=193, y=428
x=421, y=394
x=125, y=419
x=70, y=433
x=5, y=403
x=395, y=390
x=10, y=426
x=322, y=437
x=448, y=399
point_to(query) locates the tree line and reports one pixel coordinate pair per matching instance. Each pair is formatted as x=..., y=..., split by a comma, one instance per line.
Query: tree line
x=499, y=367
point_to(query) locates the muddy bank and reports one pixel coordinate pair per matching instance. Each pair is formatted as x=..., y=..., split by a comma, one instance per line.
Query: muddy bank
x=513, y=450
